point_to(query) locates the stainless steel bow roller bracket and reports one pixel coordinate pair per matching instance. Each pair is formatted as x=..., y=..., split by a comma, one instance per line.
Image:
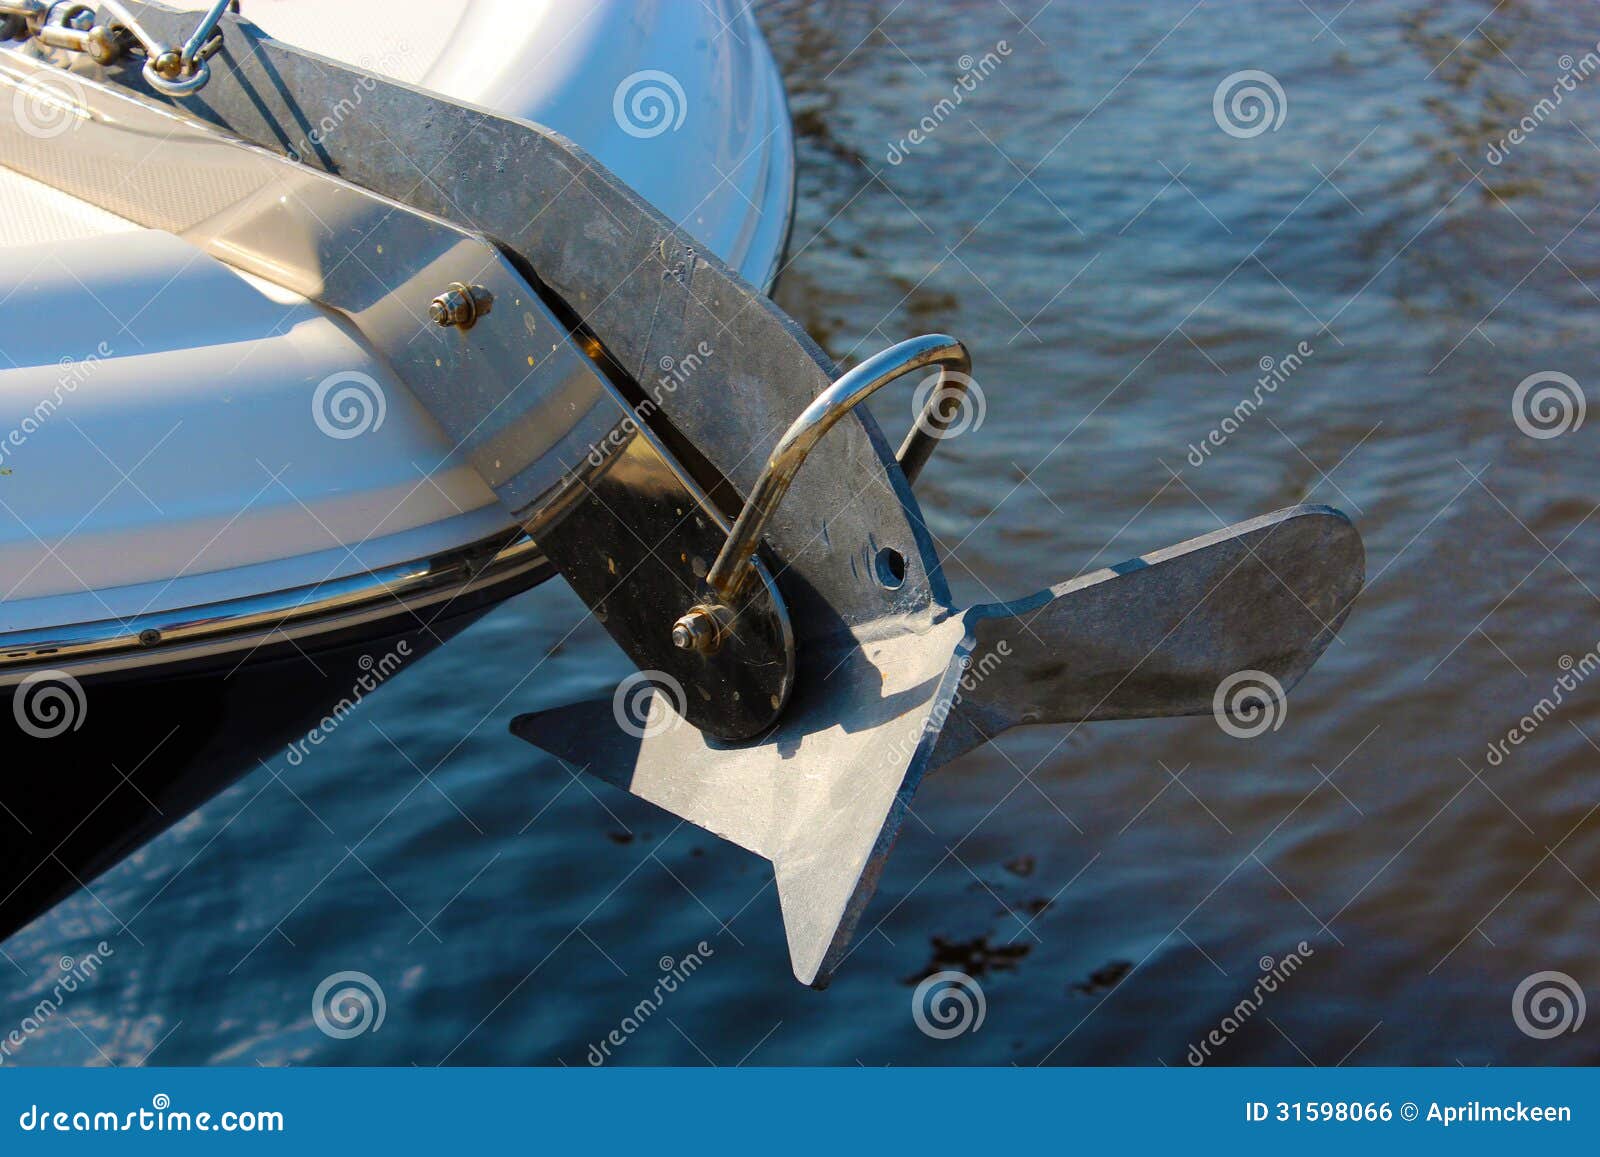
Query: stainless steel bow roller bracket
x=703, y=627
x=172, y=70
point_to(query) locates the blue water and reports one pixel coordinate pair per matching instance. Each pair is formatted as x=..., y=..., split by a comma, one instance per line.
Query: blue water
x=1120, y=265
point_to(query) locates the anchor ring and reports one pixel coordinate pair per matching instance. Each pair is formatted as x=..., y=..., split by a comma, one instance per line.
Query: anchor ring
x=728, y=574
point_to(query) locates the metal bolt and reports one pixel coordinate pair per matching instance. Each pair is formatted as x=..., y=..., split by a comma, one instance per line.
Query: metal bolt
x=103, y=44
x=460, y=306
x=699, y=630
x=169, y=65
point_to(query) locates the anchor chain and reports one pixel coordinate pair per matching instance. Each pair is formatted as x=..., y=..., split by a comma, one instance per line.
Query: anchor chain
x=180, y=70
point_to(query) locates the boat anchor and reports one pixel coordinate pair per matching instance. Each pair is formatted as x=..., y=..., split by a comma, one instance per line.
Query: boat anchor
x=1227, y=622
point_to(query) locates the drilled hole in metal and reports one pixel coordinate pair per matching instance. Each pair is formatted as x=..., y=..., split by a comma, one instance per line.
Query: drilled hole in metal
x=891, y=567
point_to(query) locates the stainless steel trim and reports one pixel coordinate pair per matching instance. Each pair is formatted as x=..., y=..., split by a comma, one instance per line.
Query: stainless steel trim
x=249, y=621
x=781, y=202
